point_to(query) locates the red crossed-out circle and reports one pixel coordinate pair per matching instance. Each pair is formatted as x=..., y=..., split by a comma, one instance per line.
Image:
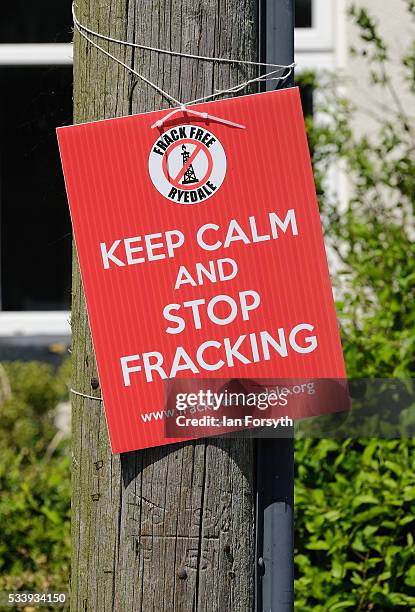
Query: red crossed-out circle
x=200, y=147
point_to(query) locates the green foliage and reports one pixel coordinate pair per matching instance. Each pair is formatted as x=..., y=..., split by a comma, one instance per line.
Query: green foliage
x=26, y=416
x=34, y=481
x=355, y=500
x=355, y=515
x=35, y=515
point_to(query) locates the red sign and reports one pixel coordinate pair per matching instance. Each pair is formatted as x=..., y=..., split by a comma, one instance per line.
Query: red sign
x=201, y=253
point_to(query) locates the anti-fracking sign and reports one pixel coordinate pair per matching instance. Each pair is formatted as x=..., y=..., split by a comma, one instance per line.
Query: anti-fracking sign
x=201, y=254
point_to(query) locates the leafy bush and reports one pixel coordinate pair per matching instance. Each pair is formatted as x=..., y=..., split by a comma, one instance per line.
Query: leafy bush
x=35, y=515
x=355, y=499
x=34, y=481
x=355, y=516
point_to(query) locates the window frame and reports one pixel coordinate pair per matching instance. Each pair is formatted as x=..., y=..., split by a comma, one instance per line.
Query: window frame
x=35, y=323
x=320, y=37
x=36, y=54
x=29, y=322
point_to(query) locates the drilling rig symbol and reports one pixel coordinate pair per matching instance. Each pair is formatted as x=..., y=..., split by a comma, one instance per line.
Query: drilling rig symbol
x=189, y=176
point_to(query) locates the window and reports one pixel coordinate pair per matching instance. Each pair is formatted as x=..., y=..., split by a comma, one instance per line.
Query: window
x=320, y=45
x=26, y=21
x=319, y=36
x=303, y=14
x=315, y=25
x=316, y=39
x=35, y=229
x=35, y=224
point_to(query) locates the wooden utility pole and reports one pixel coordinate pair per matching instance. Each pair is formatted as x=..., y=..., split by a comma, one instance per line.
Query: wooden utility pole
x=172, y=528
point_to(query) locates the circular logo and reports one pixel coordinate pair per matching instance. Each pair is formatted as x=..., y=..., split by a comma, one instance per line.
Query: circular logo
x=187, y=164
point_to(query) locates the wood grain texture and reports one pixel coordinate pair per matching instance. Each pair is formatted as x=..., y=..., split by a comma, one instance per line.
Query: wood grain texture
x=171, y=528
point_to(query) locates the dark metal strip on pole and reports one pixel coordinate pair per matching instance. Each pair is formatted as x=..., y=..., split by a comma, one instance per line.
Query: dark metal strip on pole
x=275, y=522
x=275, y=458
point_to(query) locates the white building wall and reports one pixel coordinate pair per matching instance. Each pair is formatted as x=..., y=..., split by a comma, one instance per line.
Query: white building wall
x=398, y=30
